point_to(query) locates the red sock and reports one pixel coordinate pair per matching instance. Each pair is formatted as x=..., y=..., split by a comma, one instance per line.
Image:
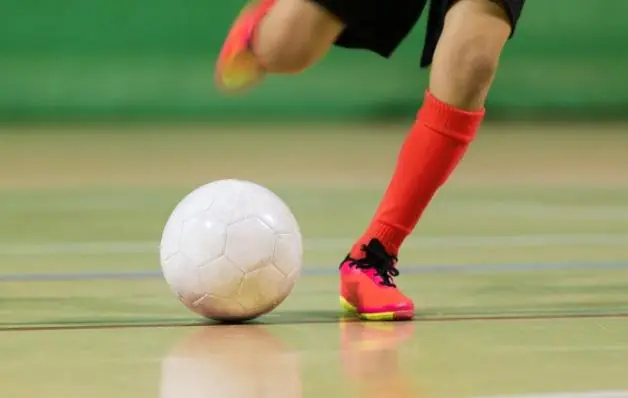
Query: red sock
x=432, y=150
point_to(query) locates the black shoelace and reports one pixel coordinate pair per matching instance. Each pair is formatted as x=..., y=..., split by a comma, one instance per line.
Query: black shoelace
x=375, y=257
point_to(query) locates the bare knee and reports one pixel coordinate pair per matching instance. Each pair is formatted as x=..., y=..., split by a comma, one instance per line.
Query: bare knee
x=294, y=35
x=475, y=65
x=286, y=53
x=467, y=55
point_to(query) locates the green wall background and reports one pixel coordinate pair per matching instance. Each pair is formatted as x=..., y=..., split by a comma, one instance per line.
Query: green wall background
x=153, y=59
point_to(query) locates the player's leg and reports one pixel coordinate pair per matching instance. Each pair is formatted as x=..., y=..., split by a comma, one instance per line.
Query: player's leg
x=463, y=68
x=468, y=51
x=275, y=36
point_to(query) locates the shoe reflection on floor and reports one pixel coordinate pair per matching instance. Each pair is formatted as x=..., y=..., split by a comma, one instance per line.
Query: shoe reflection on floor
x=370, y=358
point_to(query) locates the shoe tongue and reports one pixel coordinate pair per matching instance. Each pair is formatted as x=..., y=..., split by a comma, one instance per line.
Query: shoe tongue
x=377, y=246
x=378, y=249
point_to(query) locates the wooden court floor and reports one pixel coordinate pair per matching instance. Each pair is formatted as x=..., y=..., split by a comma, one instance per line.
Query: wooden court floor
x=519, y=269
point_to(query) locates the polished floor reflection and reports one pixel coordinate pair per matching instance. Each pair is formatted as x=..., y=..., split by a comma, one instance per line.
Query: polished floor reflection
x=331, y=359
x=251, y=361
x=231, y=361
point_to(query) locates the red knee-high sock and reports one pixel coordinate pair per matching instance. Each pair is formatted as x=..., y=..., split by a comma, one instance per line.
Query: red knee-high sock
x=432, y=150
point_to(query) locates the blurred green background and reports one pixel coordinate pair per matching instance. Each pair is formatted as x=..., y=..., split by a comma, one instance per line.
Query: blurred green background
x=153, y=59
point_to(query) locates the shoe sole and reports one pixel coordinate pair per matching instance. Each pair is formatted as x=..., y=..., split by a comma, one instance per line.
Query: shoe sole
x=235, y=56
x=248, y=76
x=403, y=315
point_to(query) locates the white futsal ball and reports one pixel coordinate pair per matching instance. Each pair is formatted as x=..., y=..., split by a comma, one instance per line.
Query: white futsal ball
x=231, y=250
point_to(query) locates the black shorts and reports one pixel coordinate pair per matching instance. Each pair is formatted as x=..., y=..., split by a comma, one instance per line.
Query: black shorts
x=381, y=25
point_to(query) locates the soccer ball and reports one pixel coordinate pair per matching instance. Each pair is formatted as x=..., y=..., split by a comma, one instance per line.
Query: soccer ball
x=231, y=250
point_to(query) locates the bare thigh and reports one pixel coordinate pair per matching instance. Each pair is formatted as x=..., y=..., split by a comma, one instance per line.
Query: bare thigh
x=294, y=35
